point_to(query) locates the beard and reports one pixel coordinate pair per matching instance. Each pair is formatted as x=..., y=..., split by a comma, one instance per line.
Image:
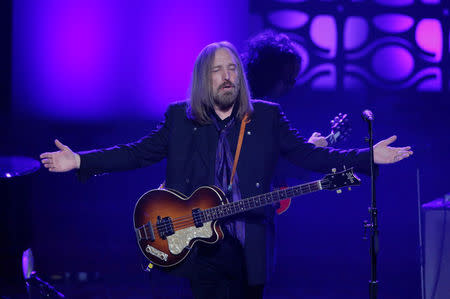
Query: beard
x=224, y=100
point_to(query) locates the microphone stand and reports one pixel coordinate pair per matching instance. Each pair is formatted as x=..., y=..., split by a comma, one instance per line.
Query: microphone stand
x=372, y=224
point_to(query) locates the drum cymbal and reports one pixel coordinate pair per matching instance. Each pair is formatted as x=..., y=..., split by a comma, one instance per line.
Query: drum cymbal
x=12, y=166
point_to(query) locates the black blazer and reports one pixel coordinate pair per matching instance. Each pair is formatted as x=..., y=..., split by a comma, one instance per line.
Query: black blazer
x=190, y=151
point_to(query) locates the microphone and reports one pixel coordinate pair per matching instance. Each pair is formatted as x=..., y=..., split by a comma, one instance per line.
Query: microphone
x=367, y=115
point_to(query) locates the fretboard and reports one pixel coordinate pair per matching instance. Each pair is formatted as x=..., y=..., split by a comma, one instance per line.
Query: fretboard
x=254, y=202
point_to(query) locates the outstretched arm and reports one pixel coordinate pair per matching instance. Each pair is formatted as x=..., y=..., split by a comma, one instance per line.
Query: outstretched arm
x=385, y=154
x=144, y=152
x=305, y=155
x=61, y=161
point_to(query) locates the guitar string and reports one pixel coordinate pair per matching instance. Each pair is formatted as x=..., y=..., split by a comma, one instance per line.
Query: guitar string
x=190, y=221
x=179, y=223
x=165, y=228
x=247, y=204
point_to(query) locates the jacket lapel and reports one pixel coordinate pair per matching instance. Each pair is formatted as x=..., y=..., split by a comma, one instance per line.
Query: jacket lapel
x=205, y=144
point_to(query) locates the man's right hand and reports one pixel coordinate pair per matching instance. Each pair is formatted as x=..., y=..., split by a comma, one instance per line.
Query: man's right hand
x=62, y=160
x=318, y=140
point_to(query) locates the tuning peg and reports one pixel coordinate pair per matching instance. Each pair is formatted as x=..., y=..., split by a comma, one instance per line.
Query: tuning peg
x=333, y=170
x=345, y=167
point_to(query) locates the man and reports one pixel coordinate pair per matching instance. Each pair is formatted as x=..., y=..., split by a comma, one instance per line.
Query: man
x=198, y=139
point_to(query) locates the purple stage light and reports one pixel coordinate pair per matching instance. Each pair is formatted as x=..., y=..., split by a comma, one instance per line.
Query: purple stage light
x=324, y=34
x=393, y=63
x=393, y=23
x=61, y=57
x=356, y=31
x=434, y=81
x=288, y=19
x=109, y=59
x=429, y=38
x=305, y=58
x=327, y=77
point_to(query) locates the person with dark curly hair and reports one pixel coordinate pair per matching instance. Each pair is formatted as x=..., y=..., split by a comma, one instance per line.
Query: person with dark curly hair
x=272, y=63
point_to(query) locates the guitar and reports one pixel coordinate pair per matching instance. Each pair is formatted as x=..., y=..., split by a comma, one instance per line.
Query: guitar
x=167, y=223
x=340, y=129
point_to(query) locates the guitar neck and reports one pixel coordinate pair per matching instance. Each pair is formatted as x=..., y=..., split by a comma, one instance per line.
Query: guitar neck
x=339, y=128
x=258, y=201
x=332, y=138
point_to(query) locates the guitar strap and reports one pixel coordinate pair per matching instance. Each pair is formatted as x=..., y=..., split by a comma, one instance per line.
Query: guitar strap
x=244, y=122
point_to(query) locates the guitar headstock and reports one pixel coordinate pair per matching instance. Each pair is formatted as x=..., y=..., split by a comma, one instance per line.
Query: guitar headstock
x=337, y=180
x=340, y=129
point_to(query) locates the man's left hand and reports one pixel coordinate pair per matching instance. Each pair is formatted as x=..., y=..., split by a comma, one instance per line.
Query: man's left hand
x=385, y=154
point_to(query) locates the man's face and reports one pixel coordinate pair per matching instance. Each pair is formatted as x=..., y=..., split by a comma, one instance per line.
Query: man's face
x=224, y=79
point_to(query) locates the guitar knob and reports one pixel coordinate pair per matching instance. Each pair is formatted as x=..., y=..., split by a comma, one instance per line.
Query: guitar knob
x=349, y=188
x=149, y=267
x=333, y=170
x=338, y=191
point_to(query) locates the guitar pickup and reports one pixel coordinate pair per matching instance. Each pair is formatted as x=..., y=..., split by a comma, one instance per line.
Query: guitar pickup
x=145, y=232
x=197, y=215
x=165, y=227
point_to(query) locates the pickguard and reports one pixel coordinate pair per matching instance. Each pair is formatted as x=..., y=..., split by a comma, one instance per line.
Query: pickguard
x=178, y=241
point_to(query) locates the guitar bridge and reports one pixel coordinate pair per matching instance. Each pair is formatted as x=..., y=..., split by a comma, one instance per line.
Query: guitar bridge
x=145, y=232
x=165, y=227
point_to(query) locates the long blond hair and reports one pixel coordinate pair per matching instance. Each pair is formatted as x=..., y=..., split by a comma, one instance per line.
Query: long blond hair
x=201, y=101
